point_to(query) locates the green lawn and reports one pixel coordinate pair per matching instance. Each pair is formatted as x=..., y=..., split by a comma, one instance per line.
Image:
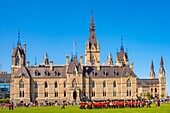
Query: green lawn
x=165, y=108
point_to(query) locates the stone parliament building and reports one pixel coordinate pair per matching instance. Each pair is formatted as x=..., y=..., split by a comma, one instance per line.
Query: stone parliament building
x=77, y=80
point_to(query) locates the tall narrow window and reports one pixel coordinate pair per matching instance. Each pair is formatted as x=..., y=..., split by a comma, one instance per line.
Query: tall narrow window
x=151, y=90
x=155, y=90
x=45, y=85
x=93, y=84
x=127, y=93
x=46, y=94
x=64, y=93
x=21, y=84
x=84, y=85
x=17, y=62
x=104, y=93
x=128, y=83
x=21, y=94
x=114, y=84
x=55, y=85
x=56, y=94
x=104, y=84
x=36, y=85
x=64, y=84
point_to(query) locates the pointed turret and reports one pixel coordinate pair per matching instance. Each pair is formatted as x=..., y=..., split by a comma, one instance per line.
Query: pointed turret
x=161, y=70
x=46, y=60
x=152, y=72
x=122, y=56
x=18, y=54
x=110, y=59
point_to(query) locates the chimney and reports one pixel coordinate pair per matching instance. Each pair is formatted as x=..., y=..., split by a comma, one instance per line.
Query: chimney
x=28, y=64
x=67, y=60
x=24, y=48
x=81, y=60
x=51, y=65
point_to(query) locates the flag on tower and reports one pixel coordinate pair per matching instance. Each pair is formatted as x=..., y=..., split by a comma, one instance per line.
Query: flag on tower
x=75, y=43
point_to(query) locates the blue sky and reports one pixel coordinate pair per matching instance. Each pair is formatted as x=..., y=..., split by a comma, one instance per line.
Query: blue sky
x=52, y=25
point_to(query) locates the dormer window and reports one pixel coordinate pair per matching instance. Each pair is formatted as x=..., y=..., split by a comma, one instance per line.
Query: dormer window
x=37, y=73
x=57, y=73
x=104, y=73
x=114, y=73
x=93, y=73
x=46, y=73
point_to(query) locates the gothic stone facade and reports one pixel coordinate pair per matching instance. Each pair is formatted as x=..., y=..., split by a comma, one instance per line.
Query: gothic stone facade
x=77, y=81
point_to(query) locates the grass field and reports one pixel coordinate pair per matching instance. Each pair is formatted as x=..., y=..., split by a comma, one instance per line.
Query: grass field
x=165, y=108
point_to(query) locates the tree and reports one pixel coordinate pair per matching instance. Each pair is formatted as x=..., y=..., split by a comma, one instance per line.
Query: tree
x=148, y=95
x=162, y=95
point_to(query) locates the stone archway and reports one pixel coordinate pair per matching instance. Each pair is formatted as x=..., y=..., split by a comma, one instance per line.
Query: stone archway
x=74, y=94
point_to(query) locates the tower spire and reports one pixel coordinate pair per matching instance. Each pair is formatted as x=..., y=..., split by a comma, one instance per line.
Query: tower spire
x=152, y=65
x=92, y=26
x=162, y=62
x=122, y=47
x=19, y=42
x=152, y=72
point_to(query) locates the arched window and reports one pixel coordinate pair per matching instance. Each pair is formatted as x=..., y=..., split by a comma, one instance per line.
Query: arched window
x=128, y=83
x=114, y=84
x=74, y=83
x=155, y=90
x=64, y=93
x=21, y=84
x=151, y=90
x=64, y=84
x=93, y=84
x=17, y=62
x=45, y=85
x=104, y=84
x=55, y=85
x=36, y=85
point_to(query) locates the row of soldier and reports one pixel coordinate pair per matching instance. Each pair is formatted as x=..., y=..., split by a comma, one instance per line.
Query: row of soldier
x=115, y=104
